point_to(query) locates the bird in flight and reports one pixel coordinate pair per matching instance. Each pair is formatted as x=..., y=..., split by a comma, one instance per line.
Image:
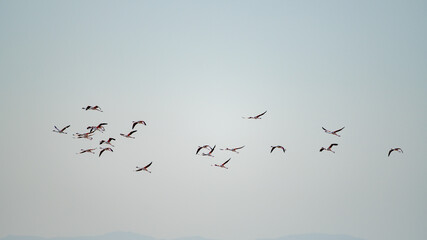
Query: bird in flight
x=134, y=123
x=222, y=165
x=329, y=148
x=92, y=108
x=257, y=116
x=210, y=153
x=201, y=147
x=87, y=135
x=233, y=149
x=105, y=149
x=143, y=168
x=129, y=134
x=395, y=149
x=62, y=130
x=91, y=150
x=274, y=147
x=333, y=132
x=108, y=141
x=100, y=127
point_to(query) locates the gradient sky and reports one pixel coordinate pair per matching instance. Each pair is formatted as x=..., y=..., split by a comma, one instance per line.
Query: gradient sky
x=191, y=70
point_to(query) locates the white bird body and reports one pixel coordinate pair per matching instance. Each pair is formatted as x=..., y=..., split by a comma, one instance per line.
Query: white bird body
x=233, y=149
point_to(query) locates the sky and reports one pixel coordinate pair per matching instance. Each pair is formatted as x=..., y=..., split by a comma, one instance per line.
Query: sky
x=192, y=70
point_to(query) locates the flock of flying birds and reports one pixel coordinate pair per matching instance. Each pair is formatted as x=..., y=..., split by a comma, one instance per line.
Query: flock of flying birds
x=100, y=127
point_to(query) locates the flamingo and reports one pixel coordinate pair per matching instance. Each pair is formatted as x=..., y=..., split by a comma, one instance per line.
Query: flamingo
x=134, y=123
x=62, y=130
x=329, y=148
x=201, y=147
x=222, y=165
x=84, y=135
x=257, y=116
x=143, y=168
x=233, y=149
x=105, y=149
x=100, y=127
x=92, y=108
x=395, y=149
x=274, y=147
x=210, y=153
x=333, y=132
x=87, y=150
x=129, y=134
x=108, y=141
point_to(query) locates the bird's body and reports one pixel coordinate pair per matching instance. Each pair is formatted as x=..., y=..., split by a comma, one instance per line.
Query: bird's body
x=134, y=123
x=233, y=149
x=62, y=130
x=129, y=134
x=395, y=149
x=105, y=149
x=87, y=135
x=257, y=116
x=333, y=132
x=108, y=141
x=97, y=108
x=143, y=168
x=91, y=150
x=222, y=165
x=278, y=146
x=329, y=148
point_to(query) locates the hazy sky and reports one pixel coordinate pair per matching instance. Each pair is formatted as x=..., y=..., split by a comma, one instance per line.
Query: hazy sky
x=191, y=70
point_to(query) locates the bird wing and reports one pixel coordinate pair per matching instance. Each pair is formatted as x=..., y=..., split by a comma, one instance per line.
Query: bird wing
x=333, y=144
x=57, y=129
x=148, y=165
x=283, y=149
x=134, y=124
x=239, y=148
x=65, y=128
x=272, y=148
x=324, y=129
x=257, y=116
x=198, y=149
x=111, y=139
x=212, y=149
x=132, y=132
x=225, y=162
x=389, y=152
x=338, y=130
x=322, y=149
x=101, y=152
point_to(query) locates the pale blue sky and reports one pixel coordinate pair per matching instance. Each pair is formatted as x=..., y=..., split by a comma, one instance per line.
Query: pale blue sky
x=192, y=69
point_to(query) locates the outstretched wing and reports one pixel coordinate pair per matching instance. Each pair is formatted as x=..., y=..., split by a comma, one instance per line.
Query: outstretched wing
x=225, y=162
x=148, y=165
x=272, y=148
x=338, y=130
x=212, y=150
x=333, y=144
x=134, y=124
x=257, y=116
x=389, y=152
x=324, y=129
x=198, y=150
x=57, y=129
x=239, y=148
x=132, y=132
x=65, y=128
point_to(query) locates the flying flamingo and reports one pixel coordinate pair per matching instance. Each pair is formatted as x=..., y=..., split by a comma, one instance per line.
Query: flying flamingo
x=210, y=153
x=333, y=132
x=257, y=116
x=62, y=130
x=274, y=147
x=201, y=147
x=84, y=135
x=105, y=149
x=222, y=165
x=134, y=123
x=108, y=141
x=329, y=148
x=87, y=150
x=395, y=149
x=92, y=108
x=143, y=168
x=233, y=149
x=100, y=127
x=129, y=134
